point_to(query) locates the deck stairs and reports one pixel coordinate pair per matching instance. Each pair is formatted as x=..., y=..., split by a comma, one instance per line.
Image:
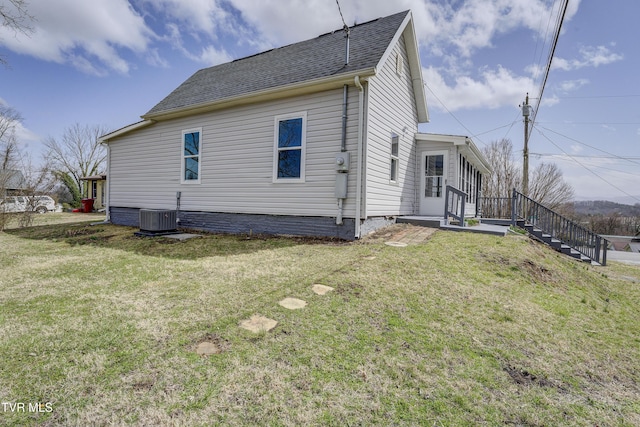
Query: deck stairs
x=556, y=244
x=547, y=226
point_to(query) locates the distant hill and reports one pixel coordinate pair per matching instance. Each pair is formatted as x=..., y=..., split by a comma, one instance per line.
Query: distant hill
x=603, y=207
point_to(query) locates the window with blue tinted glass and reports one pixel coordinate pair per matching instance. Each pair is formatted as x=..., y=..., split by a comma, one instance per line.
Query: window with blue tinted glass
x=191, y=155
x=289, y=160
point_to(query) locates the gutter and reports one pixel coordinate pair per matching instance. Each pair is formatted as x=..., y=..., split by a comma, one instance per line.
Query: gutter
x=104, y=139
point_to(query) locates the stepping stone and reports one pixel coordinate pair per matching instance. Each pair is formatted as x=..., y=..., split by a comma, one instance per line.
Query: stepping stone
x=258, y=323
x=396, y=244
x=293, y=303
x=321, y=289
x=371, y=257
x=207, y=348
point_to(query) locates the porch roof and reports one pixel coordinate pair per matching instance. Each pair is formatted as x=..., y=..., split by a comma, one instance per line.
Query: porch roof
x=466, y=147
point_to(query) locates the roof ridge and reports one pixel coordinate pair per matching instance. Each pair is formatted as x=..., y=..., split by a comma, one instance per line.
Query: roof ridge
x=317, y=58
x=314, y=38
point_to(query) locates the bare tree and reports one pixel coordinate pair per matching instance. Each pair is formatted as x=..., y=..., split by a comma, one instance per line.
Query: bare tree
x=15, y=16
x=546, y=184
x=505, y=174
x=548, y=187
x=78, y=154
x=9, y=120
x=39, y=180
x=9, y=153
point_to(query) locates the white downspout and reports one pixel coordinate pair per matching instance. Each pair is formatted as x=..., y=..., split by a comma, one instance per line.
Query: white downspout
x=108, y=185
x=360, y=154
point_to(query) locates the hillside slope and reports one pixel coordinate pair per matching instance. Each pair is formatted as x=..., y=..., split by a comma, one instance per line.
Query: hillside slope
x=461, y=329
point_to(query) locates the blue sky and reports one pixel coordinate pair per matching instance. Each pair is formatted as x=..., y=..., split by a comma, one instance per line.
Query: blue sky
x=106, y=62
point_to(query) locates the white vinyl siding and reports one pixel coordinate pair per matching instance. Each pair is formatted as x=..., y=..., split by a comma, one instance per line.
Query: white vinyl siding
x=237, y=163
x=391, y=111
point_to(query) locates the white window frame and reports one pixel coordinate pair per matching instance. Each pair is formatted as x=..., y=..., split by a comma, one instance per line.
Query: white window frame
x=393, y=158
x=183, y=157
x=303, y=146
x=399, y=64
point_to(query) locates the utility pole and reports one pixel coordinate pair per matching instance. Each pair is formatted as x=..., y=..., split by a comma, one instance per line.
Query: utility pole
x=526, y=111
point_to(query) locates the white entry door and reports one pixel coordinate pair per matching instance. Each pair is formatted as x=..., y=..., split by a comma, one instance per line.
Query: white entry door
x=433, y=179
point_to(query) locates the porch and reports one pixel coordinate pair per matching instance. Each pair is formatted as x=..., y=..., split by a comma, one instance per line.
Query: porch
x=439, y=222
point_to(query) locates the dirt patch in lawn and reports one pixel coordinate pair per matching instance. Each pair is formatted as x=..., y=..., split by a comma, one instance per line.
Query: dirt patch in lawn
x=526, y=378
x=406, y=234
x=211, y=344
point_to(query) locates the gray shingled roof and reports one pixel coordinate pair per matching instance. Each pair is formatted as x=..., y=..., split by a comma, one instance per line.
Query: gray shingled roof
x=11, y=179
x=317, y=58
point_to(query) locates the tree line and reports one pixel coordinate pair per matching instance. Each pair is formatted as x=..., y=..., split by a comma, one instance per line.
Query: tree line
x=77, y=154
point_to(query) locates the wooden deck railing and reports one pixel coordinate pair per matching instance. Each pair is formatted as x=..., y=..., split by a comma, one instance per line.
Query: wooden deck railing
x=454, y=204
x=522, y=209
x=570, y=233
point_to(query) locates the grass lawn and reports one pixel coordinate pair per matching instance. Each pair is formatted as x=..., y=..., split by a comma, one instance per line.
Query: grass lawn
x=100, y=328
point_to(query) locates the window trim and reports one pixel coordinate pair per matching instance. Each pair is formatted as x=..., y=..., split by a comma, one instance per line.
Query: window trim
x=183, y=157
x=395, y=159
x=399, y=64
x=276, y=150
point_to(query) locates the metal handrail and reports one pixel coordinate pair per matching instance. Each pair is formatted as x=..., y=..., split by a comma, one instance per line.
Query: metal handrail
x=559, y=227
x=454, y=204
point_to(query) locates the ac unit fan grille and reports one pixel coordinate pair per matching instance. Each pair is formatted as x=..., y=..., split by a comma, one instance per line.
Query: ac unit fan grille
x=158, y=220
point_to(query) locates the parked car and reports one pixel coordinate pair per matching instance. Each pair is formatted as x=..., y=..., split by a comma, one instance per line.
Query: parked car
x=16, y=204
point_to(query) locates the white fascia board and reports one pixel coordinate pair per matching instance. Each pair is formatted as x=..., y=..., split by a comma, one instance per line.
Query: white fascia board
x=465, y=144
x=471, y=151
x=104, y=139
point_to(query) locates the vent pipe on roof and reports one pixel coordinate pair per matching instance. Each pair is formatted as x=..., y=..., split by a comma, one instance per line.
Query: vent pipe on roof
x=346, y=53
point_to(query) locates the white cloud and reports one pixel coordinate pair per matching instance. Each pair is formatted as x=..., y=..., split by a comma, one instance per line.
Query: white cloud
x=212, y=56
x=576, y=148
x=195, y=15
x=493, y=88
x=572, y=85
x=590, y=56
x=467, y=27
x=79, y=32
x=209, y=55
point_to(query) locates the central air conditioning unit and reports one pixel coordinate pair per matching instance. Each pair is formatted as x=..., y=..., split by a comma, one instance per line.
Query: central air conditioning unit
x=158, y=220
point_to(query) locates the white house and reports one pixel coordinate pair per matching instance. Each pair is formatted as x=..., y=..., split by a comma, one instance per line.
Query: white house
x=316, y=138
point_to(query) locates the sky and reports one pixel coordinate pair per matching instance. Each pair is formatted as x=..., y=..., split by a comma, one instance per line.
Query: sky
x=107, y=62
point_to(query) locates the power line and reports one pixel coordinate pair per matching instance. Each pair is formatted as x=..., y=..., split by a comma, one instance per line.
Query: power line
x=598, y=96
x=537, y=59
x=341, y=16
x=585, y=167
x=589, y=123
x=510, y=125
x=634, y=174
x=550, y=60
x=448, y=111
x=588, y=156
x=591, y=146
